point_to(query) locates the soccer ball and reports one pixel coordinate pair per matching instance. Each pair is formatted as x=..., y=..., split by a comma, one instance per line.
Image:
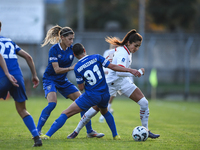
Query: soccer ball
x=140, y=133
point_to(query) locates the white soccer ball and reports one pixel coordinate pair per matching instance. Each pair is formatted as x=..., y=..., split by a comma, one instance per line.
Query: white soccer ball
x=140, y=133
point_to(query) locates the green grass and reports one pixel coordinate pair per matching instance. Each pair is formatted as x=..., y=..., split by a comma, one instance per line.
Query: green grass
x=177, y=122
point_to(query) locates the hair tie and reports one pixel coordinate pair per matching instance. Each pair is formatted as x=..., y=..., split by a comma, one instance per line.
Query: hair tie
x=66, y=32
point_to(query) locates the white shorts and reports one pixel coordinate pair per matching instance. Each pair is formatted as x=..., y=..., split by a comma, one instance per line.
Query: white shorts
x=122, y=86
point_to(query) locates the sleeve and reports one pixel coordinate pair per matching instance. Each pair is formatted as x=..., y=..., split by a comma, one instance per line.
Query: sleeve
x=79, y=78
x=124, y=74
x=17, y=48
x=53, y=55
x=103, y=61
x=106, y=55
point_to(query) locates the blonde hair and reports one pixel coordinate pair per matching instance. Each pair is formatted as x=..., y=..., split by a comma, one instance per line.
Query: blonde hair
x=54, y=34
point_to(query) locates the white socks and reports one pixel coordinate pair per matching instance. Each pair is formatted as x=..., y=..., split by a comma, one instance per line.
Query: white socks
x=109, y=106
x=144, y=111
x=85, y=119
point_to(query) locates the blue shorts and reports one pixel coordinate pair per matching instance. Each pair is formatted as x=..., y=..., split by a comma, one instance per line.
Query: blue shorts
x=65, y=88
x=18, y=93
x=86, y=101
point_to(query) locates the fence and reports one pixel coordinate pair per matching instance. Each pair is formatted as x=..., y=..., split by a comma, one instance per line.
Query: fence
x=176, y=57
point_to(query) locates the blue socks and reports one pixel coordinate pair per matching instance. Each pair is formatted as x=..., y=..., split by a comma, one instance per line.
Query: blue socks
x=88, y=125
x=111, y=123
x=58, y=123
x=45, y=115
x=28, y=120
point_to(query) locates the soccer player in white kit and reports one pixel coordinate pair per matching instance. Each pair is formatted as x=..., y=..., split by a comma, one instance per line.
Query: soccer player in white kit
x=120, y=81
x=108, y=54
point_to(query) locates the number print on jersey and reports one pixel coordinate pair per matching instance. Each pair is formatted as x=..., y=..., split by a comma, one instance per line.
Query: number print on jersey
x=11, y=47
x=89, y=75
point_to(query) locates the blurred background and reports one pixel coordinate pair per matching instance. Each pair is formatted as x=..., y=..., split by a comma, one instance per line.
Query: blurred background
x=170, y=51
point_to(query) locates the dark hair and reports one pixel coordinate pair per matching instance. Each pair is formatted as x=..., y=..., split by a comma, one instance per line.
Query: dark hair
x=0, y=24
x=53, y=35
x=131, y=36
x=78, y=49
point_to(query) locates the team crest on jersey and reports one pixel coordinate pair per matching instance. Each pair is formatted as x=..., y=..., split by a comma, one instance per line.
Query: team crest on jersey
x=123, y=59
x=59, y=56
x=71, y=56
x=49, y=87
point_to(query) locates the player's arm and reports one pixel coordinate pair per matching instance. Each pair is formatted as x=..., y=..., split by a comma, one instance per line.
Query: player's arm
x=114, y=67
x=59, y=70
x=3, y=65
x=5, y=69
x=79, y=80
x=31, y=65
x=128, y=74
x=122, y=61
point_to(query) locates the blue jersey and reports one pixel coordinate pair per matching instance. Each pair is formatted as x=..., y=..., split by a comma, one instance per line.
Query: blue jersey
x=9, y=49
x=64, y=59
x=89, y=69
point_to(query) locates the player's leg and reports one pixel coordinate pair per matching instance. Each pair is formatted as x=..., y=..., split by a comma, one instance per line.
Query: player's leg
x=29, y=122
x=113, y=88
x=93, y=112
x=101, y=118
x=52, y=101
x=111, y=122
x=74, y=96
x=139, y=98
x=19, y=95
x=130, y=90
x=107, y=115
x=50, y=94
x=133, y=92
x=60, y=121
x=85, y=102
x=84, y=120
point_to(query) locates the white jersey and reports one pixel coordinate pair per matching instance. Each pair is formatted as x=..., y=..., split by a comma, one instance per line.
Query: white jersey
x=108, y=54
x=122, y=57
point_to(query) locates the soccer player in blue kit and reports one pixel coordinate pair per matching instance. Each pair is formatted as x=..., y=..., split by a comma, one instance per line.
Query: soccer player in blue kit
x=55, y=76
x=9, y=51
x=90, y=76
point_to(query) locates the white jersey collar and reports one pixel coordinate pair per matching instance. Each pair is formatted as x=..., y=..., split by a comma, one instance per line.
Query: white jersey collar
x=127, y=49
x=60, y=46
x=82, y=57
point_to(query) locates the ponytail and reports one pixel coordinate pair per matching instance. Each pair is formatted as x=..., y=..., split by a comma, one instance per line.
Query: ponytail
x=53, y=35
x=131, y=36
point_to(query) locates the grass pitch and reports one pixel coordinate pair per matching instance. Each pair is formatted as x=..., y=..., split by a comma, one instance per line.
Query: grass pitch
x=177, y=122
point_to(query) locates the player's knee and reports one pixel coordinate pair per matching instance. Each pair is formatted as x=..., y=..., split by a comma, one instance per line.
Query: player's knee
x=49, y=107
x=143, y=102
x=23, y=113
x=91, y=112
